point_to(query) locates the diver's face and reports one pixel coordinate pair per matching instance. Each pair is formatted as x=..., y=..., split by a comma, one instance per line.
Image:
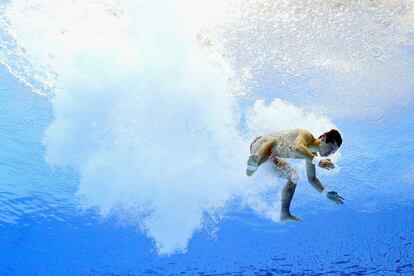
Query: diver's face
x=326, y=149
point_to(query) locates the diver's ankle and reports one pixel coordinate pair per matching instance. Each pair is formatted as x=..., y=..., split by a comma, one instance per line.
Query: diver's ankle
x=287, y=216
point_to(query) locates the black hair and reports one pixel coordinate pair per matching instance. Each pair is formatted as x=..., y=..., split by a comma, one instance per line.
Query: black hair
x=333, y=136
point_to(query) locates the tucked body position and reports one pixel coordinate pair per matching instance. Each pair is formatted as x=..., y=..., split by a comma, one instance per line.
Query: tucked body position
x=298, y=144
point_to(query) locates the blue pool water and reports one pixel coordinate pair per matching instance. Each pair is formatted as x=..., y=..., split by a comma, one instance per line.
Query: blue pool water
x=134, y=165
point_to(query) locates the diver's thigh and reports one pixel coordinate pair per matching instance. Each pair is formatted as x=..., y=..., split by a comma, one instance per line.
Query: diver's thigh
x=284, y=170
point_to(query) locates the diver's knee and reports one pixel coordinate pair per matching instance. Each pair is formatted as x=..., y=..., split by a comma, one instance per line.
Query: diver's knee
x=293, y=179
x=292, y=183
x=290, y=187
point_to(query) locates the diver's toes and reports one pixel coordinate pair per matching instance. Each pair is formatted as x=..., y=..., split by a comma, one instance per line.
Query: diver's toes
x=249, y=172
x=253, y=160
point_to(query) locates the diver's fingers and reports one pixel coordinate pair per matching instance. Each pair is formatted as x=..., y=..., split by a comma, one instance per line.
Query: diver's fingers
x=341, y=197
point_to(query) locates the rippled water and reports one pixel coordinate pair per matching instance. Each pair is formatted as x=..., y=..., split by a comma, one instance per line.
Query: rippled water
x=125, y=126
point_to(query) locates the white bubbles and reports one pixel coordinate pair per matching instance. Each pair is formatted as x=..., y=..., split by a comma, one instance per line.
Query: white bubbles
x=170, y=149
x=280, y=115
x=141, y=111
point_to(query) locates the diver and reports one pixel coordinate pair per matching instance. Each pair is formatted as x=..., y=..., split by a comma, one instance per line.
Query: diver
x=298, y=144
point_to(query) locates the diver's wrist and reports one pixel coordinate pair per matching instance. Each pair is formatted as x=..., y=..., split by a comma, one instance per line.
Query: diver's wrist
x=325, y=191
x=316, y=160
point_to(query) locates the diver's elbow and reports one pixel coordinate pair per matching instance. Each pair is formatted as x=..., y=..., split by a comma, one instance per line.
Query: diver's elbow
x=312, y=179
x=300, y=152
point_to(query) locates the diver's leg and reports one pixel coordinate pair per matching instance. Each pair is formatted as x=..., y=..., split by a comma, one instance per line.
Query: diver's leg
x=287, y=195
x=264, y=151
x=286, y=171
x=260, y=153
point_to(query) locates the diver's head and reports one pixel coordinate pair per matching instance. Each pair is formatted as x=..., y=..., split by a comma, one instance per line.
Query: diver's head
x=330, y=142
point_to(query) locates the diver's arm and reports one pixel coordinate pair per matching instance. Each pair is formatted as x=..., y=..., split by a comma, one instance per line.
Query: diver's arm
x=300, y=146
x=314, y=181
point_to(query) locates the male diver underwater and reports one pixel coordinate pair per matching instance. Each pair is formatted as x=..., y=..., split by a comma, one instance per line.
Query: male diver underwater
x=298, y=144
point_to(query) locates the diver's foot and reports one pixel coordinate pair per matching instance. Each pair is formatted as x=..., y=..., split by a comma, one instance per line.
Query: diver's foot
x=252, y=164
x=289, y=217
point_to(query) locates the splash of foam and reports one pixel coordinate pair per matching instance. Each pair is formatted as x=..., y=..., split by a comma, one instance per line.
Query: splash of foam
x=140, y=110
x=280, y=115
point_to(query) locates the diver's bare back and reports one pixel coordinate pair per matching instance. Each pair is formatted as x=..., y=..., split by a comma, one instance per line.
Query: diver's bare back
x=284, y=143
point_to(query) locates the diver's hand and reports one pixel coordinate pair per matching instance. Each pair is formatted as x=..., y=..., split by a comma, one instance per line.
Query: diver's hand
x=332, y=195
x=326, y=164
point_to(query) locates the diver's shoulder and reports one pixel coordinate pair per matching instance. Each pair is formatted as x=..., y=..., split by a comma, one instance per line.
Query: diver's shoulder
x=305, y=133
